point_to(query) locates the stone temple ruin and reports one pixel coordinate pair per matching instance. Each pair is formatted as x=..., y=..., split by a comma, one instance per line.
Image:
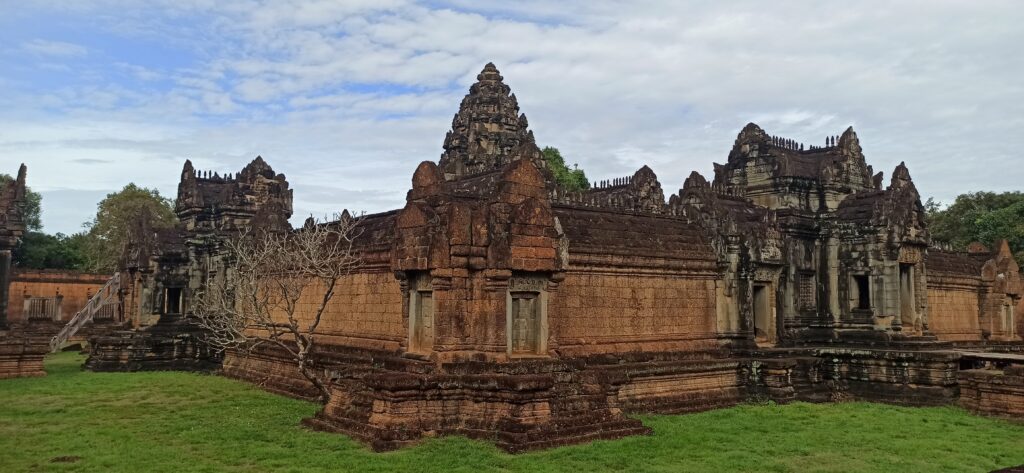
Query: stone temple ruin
x=498, y=305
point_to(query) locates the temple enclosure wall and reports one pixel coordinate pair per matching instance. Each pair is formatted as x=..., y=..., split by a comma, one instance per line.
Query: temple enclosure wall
x=50, y=294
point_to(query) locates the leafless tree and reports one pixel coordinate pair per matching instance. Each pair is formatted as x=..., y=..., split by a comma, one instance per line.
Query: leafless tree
x=274, y=289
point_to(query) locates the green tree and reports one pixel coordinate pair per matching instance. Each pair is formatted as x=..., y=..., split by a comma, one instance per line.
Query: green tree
x=979, y=216
x=38, y=250
x=32, y=210
x=572, y=179
x=107, y=233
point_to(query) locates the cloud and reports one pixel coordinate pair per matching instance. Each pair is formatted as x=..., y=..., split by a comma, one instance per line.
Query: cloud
x=90, y=161
x=43, y=47
x=347, y=97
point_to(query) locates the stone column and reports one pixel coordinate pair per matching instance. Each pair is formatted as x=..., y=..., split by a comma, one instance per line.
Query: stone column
x=5, y=282
x=832, y=273
x=891, y=293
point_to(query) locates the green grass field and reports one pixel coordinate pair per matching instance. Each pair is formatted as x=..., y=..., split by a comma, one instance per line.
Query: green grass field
x=132, y=422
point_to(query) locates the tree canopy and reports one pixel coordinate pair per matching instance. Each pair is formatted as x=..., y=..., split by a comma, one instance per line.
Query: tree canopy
x=107, y=232
x=32, y=210
x=572, y=179
x=979, y=216
x=37, y=250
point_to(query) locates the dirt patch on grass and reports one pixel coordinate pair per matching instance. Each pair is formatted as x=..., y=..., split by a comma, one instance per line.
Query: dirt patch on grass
x=65, y=459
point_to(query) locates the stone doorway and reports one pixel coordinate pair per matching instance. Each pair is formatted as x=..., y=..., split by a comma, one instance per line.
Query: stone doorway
x=172, y=300
x=763, y=314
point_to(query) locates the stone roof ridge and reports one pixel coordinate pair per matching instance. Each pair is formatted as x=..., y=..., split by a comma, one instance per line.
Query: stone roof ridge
x=752, y=133
x=257, y=167
x=640, y=192
x=696, y=180
x=193, y=176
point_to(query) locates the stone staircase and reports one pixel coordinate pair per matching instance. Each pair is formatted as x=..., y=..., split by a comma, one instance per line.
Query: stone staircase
x=104, y=300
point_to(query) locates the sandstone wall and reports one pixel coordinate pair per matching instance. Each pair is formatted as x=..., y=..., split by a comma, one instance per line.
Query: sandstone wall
x=993, y=392
x=602, y=313
x=76, y=289
x=678, y=386
x=271, y=370
x=21, y=355
x=953, y=307
x=365, y=312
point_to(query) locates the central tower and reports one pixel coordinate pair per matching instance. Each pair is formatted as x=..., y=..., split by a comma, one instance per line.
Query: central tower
x=486, y=131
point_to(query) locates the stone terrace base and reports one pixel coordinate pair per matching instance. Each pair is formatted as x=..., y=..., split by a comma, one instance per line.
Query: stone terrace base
x=998, y=393
x=888, y=375
x=520, y=406
x=996, y=388
x=388, y=400
x=269, y=369
x=22, y=356
x=174, y=345
x=23, y=348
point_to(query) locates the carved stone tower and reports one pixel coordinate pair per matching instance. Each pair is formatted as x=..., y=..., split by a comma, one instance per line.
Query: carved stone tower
x=12, y=226
x=487, y=130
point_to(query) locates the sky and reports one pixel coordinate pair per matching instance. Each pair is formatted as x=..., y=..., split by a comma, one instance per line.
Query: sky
x=347, y=97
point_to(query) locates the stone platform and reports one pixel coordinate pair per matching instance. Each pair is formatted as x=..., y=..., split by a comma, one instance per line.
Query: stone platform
x=23, y=347
x=993, y=384
x=22, y=356
x=171, y=345
x=388, y=400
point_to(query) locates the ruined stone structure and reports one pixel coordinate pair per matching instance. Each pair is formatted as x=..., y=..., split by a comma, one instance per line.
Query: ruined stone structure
x=164, y=267
x=498, y=305
x=12, y=227
x=22, y=345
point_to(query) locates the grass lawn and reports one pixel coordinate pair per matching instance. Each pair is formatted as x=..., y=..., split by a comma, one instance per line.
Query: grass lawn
x=131, y=422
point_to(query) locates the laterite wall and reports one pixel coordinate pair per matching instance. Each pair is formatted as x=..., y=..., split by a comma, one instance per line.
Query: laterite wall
x=76, y=288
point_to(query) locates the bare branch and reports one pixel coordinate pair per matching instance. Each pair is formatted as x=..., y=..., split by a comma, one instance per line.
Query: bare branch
x=259, y=295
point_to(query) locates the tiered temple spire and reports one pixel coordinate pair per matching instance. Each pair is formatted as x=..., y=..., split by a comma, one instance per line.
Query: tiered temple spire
x=488, y=130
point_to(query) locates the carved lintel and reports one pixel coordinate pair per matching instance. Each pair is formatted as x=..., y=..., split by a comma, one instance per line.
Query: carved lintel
x=910, y=254
x=527, y=283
